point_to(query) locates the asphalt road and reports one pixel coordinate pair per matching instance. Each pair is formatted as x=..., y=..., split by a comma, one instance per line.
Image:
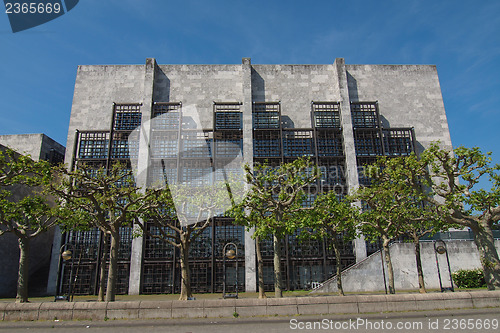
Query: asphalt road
x=474, y=320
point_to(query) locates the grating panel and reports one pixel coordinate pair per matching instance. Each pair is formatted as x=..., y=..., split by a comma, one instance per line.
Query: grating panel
x=365, y=115
x=93, y=145
x=166, y=116
x=266, y=116
x=326, y=115
x=127, y=117
x=298, y=143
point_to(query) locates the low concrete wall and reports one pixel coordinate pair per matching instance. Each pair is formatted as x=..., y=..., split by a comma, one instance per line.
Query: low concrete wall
x=248, y=307
x=367, y=275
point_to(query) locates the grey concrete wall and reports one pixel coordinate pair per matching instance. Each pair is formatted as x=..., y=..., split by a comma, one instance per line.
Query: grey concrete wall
x=25, y=144
x=408, y=96
x=38, y=146
x=368, y=276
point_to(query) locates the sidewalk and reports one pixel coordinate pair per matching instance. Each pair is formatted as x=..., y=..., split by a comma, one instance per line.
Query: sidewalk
x=147, y=307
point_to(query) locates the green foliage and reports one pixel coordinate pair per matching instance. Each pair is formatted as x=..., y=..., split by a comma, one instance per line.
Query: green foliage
x=469, y=278
x=24, y=209
x=457, y=177
x=330, y=217
x=106, y=199
x=273, y=204
x=398, y=199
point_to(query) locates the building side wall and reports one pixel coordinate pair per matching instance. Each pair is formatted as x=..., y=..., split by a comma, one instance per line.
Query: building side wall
x=295, y=86
x=408, y=96
x=48, y=145
x=25, y=144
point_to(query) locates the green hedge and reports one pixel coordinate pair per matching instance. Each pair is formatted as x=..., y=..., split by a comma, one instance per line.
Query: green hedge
x=469, y=278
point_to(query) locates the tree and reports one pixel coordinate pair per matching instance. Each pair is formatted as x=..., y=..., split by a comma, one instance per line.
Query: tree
x=249, y=219
x=180, y=224
x=383, y=219
x=406, y=177
x=332, y=219
x=280, y=192
x=456, y=178
x=24, y=210
x=109, y=200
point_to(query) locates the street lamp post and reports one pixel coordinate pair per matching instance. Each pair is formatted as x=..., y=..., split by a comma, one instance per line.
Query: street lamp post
x=66, y=253
x=440, y=248
x=230, y=254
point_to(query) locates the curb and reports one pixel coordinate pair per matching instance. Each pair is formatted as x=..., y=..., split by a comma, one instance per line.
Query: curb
x=228, y=308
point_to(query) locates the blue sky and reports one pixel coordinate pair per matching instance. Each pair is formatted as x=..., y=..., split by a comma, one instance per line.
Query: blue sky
x=461, y=37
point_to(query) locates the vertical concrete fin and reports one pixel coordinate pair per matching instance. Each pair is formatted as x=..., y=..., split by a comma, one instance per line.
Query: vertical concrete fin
x=250, y=269
x=351, y=165
x=142, y=174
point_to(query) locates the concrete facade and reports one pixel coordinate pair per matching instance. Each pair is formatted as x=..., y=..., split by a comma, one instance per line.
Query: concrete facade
x=407, y=96
x=38, y=146
x=367, y=275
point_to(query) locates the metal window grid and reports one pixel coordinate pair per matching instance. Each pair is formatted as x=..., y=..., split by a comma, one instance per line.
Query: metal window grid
x=368, y=142
x=329, y=143
x=332, y=172
x=228, y=148
x=162, y=172
x=299, y=248
x=197, y=144
x=123, y=148
x=365, y=115
x=164, y=144
x=93, y=145
x=398, y=142
x=127, y=117
x=196, y=172
x=298, y=143
x=227, y=116
x=155, y=248
x=266, y=144
x=266, y=115
x=159, y=278
x=326, y=115
x=166, y=116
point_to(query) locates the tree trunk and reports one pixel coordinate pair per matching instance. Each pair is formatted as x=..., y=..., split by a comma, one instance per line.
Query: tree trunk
x=483, y=237
x=418, y=258
x=390, y=270
x=185, y=272
x=23, y=273
x=102, y=269
x=113, y=266
x=260, y=268
x=278, y=290
x=339, y=265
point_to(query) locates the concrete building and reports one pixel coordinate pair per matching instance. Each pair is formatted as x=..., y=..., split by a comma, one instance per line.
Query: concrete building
x=39, y=147
x=341, y=115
